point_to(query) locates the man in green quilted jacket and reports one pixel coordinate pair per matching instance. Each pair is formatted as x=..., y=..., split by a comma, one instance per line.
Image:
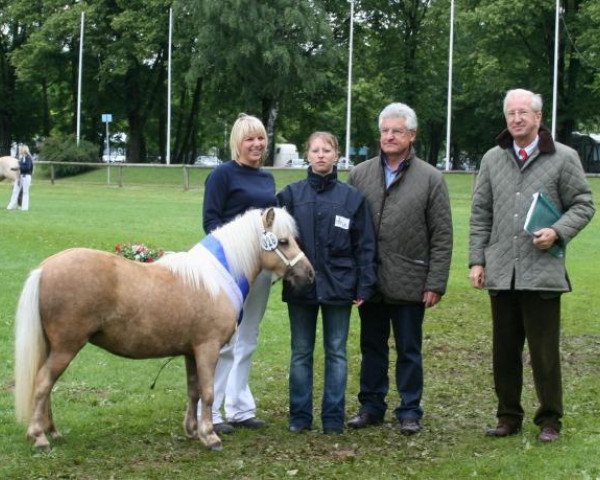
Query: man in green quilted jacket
x=524, y=278
x=410, y=208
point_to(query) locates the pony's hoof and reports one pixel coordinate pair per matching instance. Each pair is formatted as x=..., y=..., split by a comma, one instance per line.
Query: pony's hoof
x=42, y=445
x=39, y=439
x=212, y=442
x=217, y=447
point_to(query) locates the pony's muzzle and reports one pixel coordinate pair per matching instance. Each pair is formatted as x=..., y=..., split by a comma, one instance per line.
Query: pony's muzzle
x=301, y=278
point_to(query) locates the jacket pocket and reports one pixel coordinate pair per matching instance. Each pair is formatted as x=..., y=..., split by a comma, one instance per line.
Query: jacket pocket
x=402, y=278
x=342, y=278
x=545, y=272
x=340, y=243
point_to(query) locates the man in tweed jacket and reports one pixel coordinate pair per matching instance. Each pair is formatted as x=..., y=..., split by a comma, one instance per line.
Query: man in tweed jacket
x=410, y=207
x=524, y=280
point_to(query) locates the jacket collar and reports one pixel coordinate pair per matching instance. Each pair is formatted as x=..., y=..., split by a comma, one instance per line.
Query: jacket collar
x=546, y=144
x=322, y=182
x=405, y=164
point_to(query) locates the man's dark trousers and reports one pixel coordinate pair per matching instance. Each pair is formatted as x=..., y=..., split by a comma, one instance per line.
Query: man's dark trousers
x=407, y=324
x=518, y=315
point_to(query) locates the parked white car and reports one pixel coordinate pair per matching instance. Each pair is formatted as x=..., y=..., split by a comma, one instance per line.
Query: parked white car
x=344, y=164
x=296, y=163
x=113, y=158
x=207, y=161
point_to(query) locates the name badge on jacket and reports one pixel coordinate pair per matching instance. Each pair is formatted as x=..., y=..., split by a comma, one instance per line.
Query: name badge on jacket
x=342, y=222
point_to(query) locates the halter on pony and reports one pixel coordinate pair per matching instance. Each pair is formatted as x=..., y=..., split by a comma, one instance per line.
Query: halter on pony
x=269, y=243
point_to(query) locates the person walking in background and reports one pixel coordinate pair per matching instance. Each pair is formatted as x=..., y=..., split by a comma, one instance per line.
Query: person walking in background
x=23, y=182
x=410, y=207
x=524, y=281
x=231, y=189
x=336, y=234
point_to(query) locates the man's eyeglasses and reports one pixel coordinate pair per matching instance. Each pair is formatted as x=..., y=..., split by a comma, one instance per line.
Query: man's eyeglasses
x=396, y=132
x=518, y=113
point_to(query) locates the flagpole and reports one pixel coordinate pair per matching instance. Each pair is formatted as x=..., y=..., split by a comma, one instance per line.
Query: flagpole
x=349, y=87
x=168, y=153
x=449, y=107
x=79, y=79
x=555, y=81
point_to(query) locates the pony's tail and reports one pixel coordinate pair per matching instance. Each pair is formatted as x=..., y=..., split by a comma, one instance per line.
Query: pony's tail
x=30, y=346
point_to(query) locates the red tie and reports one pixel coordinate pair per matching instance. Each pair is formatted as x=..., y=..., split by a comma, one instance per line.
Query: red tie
x=523, y=154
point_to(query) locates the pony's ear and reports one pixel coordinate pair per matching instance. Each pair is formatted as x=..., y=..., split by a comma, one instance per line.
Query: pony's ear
x=268, y=218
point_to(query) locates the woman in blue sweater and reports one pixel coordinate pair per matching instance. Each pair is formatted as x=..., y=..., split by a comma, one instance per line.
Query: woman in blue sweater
x=230, y=190
x=336, y=234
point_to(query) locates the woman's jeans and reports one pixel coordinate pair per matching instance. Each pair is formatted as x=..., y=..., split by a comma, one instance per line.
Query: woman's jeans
x=303, y=322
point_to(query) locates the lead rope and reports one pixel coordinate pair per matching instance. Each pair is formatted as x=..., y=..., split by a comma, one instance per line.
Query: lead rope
x=160, y=370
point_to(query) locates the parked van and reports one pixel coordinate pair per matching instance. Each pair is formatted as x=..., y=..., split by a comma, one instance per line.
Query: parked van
x=285, y=154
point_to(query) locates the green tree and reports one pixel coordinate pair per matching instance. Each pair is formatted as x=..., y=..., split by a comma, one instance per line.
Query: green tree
x=125, y=44
x=511, y=53
x=17, y=106
x=256, y=54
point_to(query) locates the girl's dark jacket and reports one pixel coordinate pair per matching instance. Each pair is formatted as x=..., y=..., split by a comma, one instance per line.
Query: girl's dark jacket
x=336, y=234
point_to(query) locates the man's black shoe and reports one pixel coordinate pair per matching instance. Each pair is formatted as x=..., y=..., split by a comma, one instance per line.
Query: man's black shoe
x=363, y=420
x=299, y=428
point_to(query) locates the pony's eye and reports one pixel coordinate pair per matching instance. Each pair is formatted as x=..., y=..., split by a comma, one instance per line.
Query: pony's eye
x=283, y=241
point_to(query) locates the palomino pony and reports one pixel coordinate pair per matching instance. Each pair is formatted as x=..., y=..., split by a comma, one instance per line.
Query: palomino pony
x=187, y=303
x=9, y=168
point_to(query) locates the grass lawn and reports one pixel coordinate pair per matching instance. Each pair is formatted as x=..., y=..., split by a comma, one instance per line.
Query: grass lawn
x=115, y=426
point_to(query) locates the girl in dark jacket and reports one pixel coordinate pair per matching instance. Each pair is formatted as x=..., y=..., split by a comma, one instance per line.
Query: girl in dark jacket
x=336, y=234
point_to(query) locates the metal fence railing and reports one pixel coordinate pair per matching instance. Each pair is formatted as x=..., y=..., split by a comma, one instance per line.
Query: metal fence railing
x=116, y=173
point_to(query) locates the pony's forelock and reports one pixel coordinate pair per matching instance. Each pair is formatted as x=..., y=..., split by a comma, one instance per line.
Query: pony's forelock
x=284, y=224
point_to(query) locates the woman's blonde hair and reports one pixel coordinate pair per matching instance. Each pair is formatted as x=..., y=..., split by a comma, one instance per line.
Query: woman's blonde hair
x=245, y=126
x=24, y=150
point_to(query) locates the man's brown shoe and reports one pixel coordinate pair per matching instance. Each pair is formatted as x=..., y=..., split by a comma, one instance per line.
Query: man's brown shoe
x=503, y=430
x=549, y=434
x=363, y=420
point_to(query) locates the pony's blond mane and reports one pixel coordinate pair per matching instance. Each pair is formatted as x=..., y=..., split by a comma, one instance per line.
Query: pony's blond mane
x=240, y=239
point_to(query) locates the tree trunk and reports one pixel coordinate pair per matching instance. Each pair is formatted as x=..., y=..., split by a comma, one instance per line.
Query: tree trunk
x=570, y=76
x=6, y=110
x=270, y=111
x=454, y=156
x=5, y=133
x=187, y=144
x=141, y=92
x=136, y=144
x=46, y=125
x=436, y=131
